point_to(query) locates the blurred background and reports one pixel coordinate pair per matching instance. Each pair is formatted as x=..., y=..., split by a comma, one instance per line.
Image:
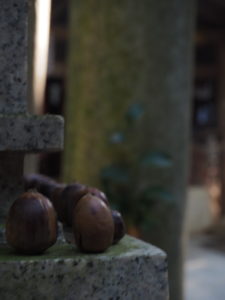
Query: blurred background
x=142, y=91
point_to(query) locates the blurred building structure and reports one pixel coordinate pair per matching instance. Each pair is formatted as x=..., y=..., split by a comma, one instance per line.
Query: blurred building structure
x=208, y=159
x=210, y=35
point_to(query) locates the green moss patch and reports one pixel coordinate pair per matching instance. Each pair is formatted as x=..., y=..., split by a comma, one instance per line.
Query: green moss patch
x=64, y=251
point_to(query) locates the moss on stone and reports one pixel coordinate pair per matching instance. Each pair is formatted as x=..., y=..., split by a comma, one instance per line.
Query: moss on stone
x=64, y=273
x=64, y=251
x=57, y=251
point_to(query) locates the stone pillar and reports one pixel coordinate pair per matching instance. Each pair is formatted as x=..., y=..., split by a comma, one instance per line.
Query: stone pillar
x=13, y=89
x=19, y=131
x=13, y=56
x=122, y=54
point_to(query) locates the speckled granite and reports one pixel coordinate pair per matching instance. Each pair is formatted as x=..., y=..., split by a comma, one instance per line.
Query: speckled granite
x=13, y=56
x=11, y=170
x=31, y=133
x=131, y=270
x=19, y=132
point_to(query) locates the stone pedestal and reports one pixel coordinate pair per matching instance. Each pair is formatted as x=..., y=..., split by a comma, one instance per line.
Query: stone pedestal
x=130, y=270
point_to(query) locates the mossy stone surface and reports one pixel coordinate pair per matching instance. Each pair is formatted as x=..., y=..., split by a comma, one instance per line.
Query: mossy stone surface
x=131, y=269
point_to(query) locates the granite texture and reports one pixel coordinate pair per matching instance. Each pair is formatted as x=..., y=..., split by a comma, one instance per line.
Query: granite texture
x=129, y=270
x=19, y=132
x=31, y=133
x=11, y=174
x=13, y=56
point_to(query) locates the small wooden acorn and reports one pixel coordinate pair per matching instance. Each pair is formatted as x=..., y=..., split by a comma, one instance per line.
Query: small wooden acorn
x=98, y=193
x=31, y=225
x=119, y=226
x=93, y=224
x=70, y=197
x=56, y=199
x=43, y=184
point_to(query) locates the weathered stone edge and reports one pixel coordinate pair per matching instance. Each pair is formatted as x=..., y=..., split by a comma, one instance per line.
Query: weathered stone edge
x=131, y=269
x=128, y=246
x=31, y=133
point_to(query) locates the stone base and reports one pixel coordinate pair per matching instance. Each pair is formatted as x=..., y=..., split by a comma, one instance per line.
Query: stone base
x=129, y=270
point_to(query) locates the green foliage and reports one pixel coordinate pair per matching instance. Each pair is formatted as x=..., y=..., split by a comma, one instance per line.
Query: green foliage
x=158, y=193
x=156, y=159
x=134, y=112
x=127, y=181
x=116, y=174
x=117, y=138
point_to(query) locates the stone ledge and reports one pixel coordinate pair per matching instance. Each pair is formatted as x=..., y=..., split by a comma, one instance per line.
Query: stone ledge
x=31, y=133
x=131, y=270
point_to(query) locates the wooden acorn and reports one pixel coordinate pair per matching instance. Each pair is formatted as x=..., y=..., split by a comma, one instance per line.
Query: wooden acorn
x=98, y=193
x=93, y=224
x=41, y=183
x=119, y=226
x=31, y=225
x=56, y=199
x=69, y=198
